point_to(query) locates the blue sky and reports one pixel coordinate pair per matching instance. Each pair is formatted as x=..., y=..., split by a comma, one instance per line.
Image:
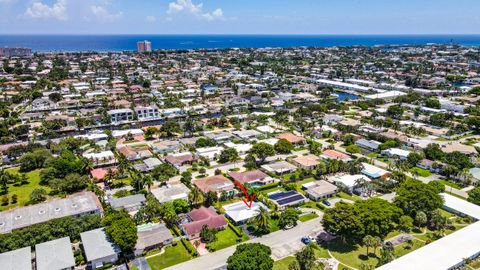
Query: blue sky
x=239, y=17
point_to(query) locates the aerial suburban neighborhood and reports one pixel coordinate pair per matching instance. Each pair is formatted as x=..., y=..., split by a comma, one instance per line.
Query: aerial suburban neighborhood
x=343, y=157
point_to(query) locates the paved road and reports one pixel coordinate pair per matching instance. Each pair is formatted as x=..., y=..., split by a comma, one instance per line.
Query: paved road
x=283, y=244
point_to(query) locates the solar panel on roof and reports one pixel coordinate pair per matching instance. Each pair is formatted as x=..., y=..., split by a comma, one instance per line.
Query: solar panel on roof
x=280, y=195
x=297, y=197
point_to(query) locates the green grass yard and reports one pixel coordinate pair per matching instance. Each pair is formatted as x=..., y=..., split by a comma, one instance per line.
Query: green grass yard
x=23, y=191
x=420, y=172
x=173, y=255
x=226, y=238
x=308, y=217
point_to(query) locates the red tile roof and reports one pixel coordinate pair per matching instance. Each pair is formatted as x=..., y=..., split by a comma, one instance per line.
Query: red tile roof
x=290, y=137
x=204, y=216
x=335, y=154
x=217, y=183
x=248, y=176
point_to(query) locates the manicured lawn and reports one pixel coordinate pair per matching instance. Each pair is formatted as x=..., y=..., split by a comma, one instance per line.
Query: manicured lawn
x=283, y=263
x=355, y=255
x=226, y=238
x=450, y=184
x=419, y=171
x=312, y=204
x=23, y=191
x=172, y=255
x=308, y=217
x=348, y=196
x=352, y=255
x=404, y=249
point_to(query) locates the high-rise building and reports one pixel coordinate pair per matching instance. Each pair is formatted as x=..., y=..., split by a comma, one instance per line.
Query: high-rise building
x=144, y=46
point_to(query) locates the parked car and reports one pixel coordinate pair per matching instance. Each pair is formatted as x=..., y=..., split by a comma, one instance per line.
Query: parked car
x=326, y=202
x=307, y=240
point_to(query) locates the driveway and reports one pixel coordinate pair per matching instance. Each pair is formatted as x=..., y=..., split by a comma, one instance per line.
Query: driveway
x=283, y=244
x=141, y=264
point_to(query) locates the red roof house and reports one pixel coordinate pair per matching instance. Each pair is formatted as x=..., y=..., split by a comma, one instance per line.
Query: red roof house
x=200, y=217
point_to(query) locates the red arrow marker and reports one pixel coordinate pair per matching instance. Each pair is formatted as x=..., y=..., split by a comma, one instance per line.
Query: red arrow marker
x=248, y=200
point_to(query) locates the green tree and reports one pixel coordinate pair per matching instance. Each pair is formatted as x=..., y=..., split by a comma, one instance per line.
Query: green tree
x=437, y=185
x=38, y=195
x=228, y=155
x=343, y=220
x=195, y=196
x=283, y=146
x=414, y=196
x=395, y=111
x=262, y=151
x=405, y=223
x=368, y=241
x=208, y=235
x=421, y=219
x=474, y=195
x=250, y=256
x=378, y=217
x=250, y=162
x=306, y=258
x=432, y=103
x=386, y=254
x=121, y=228
x=353, y=149
x=289, y=217
x=262, y=220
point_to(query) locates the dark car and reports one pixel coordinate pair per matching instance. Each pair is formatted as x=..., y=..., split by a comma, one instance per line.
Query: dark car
x=327, y=203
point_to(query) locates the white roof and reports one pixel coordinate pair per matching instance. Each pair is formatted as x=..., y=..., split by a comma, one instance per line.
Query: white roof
x=104, y=154
x=240, y=212
x=448, y=251
x=19, y=259
x=241, y=148
x=54, y=255
x=266, y=129
x=373, y=171
x=350, y=180
x=121, y=133
x=271, y=141
x=397, y=152
x=97, y=245
x=462, y=206
x=383, y=95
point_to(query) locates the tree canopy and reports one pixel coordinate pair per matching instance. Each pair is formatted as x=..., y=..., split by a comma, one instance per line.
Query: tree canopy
x=414, y=196
x=250, y=256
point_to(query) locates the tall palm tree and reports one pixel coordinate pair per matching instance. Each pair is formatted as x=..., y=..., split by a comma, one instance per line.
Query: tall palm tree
x=262, y=220
x=195, y=196
x=148, y=181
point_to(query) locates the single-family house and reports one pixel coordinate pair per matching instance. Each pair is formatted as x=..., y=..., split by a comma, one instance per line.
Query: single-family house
x=99, y=248
x=197, y=218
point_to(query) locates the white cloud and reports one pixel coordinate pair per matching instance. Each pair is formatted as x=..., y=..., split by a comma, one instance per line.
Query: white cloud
x=39, y=10
x=102, y=14
x=216, y=14
x=187, y=6
x=151, y=19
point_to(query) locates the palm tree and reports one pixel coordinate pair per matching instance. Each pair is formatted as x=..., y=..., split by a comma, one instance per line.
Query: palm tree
x=148, y=181
x=262, y=220
x=368, y=241
x=195, y=196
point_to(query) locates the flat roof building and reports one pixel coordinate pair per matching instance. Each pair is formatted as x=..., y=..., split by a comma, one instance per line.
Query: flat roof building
x=99, y=249
x=54, y=255
x=19, y=259
x=76, y=205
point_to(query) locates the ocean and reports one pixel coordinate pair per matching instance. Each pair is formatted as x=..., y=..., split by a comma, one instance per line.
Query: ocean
x=102, y=43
